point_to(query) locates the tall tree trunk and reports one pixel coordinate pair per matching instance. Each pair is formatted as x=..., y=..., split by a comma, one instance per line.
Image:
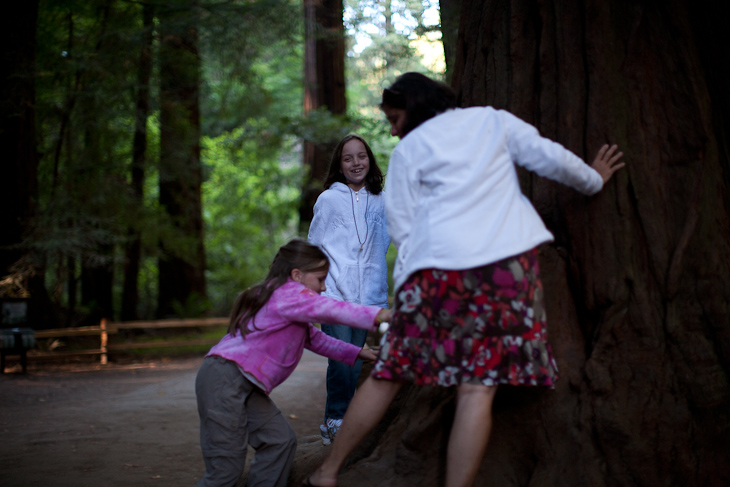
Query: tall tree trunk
x=324, y=87
x=97, y=270
x=636, y=281
x=18, y=184
x=450, y=11
x=182, y=265
x=97, y=280
x=130, y=291
x=21, y=272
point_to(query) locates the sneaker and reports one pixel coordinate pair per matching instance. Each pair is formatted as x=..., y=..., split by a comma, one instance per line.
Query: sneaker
x=326, y=440
x=333, y=426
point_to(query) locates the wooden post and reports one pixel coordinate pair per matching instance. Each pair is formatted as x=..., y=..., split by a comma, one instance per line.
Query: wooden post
x=102, y=325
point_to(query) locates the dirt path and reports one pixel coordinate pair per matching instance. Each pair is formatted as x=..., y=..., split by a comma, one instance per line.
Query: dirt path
x=123, y=425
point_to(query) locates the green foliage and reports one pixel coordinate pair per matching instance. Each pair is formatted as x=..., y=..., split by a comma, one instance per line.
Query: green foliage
x=84, y=86
x=252, y=68
x=250, y=204
x=88, y=55
x=388, y=38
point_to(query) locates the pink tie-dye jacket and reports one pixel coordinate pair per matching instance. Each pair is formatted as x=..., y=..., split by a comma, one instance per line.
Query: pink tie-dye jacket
x=272, y=349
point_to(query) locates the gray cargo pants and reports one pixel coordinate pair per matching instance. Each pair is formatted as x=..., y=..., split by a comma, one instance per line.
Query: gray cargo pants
x=233, y=414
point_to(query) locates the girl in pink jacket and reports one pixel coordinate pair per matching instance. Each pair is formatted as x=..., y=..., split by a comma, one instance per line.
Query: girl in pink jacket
x=271, y=324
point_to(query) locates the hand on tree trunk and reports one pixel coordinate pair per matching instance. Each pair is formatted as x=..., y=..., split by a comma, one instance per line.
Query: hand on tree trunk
x=606, y=161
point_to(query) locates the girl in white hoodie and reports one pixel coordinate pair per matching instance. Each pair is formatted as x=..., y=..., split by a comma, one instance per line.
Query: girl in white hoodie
x=349, y=225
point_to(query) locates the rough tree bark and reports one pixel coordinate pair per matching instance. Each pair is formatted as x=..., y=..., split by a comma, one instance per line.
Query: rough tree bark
x=182, y=265
x=636, y=280
x=324, y=87
x=450, y=11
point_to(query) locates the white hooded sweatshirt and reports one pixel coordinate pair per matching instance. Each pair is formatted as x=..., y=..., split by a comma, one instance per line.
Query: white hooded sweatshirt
x=344, y=221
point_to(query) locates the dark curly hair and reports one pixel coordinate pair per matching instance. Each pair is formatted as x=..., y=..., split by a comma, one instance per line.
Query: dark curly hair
x=374, y=178
x=420, y=96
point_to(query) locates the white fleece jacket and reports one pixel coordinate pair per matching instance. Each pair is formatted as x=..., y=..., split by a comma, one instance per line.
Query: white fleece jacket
x=355, y=276
x=453, y=200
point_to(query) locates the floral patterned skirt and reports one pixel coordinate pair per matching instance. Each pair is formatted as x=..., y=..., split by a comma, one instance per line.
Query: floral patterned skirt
x=477, y=326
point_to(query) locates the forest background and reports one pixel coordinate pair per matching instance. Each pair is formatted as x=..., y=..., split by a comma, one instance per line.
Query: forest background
x=155, y=154
x=169, y=142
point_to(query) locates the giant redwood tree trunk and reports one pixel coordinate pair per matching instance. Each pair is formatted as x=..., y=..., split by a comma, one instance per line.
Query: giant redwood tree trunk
x=450, y=11
x=133, y=251
x=324, y=88
x=636, y=281
x=21, y=271
x=18, y=180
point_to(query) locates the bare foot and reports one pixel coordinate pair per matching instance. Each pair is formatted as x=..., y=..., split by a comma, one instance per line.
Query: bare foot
x=318, y=480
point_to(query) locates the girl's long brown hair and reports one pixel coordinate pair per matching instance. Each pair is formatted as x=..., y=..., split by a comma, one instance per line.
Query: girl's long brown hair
x=297, y=254
x=373, y=180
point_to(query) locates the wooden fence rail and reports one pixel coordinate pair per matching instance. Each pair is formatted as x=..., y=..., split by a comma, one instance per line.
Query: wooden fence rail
x=106, y=328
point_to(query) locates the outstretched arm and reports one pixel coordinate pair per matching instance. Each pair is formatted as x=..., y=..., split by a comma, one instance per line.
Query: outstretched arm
x=548, y=158
x=606, y=161
x=330, y=347
x=368, y=355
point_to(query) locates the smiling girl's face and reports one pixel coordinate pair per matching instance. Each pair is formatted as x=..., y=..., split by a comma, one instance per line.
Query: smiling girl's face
x=354, y=163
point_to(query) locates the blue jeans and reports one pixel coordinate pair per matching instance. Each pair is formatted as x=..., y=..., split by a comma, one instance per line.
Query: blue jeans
x=342, y=378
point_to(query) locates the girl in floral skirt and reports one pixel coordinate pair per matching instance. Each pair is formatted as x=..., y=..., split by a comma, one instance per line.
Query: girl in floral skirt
x=469, y=303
